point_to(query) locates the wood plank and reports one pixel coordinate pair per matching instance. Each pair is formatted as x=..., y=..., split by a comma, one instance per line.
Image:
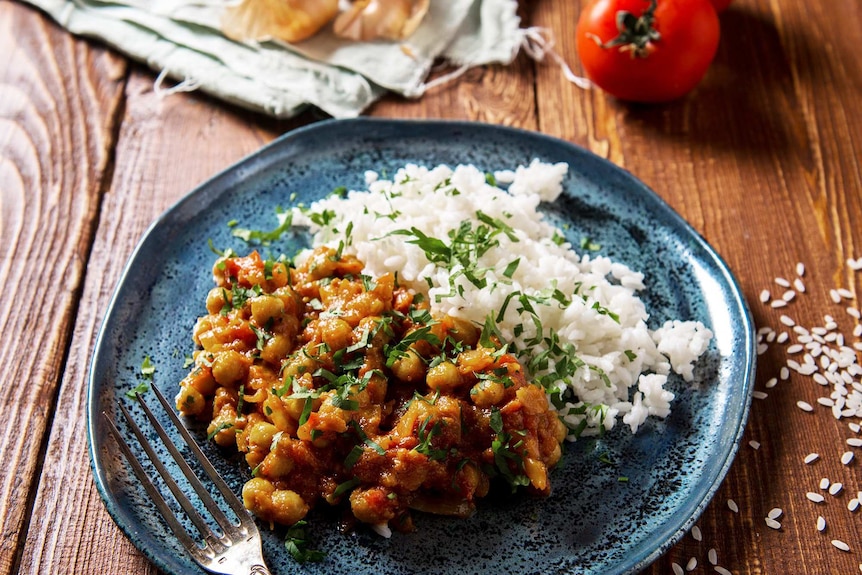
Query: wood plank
x=58, y=104
x=762, y=159
x=165, y=148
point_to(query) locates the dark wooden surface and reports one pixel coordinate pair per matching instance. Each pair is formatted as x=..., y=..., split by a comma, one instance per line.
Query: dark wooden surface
x=762, y=159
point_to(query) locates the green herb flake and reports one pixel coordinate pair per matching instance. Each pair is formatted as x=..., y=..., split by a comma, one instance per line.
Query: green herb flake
x=296, y=543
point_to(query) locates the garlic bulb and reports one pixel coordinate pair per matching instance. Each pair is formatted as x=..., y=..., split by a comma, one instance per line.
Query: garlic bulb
x=288, y=20
x=372, y=19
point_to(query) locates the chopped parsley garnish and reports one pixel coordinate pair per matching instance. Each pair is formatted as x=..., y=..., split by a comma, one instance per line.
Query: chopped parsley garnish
x=296, y=543
x=148, y=371
x=266, y=237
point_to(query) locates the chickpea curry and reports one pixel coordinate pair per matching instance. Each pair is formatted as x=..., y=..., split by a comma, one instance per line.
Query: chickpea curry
x=343, y=388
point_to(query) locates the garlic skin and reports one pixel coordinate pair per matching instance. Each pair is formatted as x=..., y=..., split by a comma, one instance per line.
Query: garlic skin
x=287, y=20
x=368, y=20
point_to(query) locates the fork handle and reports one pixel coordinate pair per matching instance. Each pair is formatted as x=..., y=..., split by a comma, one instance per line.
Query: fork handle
x=259, y=570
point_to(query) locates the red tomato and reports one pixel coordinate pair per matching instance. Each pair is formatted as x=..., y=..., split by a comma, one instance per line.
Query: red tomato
x=658, y=52
x=720, y=5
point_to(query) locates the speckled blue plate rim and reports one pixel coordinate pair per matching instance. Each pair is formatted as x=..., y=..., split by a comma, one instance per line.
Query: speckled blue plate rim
x=741, y=312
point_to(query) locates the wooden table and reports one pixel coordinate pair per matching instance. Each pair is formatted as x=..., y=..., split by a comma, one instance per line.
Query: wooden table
x=763, y=160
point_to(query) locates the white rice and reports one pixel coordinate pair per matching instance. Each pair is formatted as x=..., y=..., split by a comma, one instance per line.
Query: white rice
x=625, y=364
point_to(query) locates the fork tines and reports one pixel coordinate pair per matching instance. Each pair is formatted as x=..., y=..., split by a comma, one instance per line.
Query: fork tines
x=238, y=545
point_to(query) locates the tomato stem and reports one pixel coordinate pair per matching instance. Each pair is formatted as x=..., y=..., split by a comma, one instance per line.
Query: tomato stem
x=636, y=32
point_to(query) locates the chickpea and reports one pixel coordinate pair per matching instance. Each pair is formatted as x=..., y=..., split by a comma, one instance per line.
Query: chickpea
x=266, y=309
x=190, y=401
x=336, y=333
x=409, y=367
x=276, y=349
x=475, y=360
x=216, y=300
x=261, y=434
x=487, y=393
x=229, y=367
x=275, y=465
x=279, y=276
x=271, y=504
x=444, y=377
x=533, y=399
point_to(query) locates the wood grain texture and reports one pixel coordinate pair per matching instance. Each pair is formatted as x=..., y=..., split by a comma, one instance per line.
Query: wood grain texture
x=58, y=98
x=154, y=168
x=762, y=159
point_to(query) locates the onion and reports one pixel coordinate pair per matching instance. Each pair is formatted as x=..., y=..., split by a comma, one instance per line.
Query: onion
x=287, y=20
x=367, y=20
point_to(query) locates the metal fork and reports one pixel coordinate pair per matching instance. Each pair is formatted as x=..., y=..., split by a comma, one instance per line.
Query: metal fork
x=237, y=550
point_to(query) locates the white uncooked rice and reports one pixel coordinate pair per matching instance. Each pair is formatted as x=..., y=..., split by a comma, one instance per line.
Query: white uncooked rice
x=821, y=523
x=840, y=545
x=722, y=571
x=814, y=497
x=811, y=458
x=772, y=523
x=625, y=364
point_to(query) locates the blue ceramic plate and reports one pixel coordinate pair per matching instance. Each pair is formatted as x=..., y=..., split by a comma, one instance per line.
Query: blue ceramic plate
x=592, y=523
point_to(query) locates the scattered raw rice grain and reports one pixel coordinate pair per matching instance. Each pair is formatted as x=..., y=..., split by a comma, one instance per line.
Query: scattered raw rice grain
x=788, y=295
x=712, y=556
x=800, y=269
x=723, y=571
x=838, y=544
x=784, y=373
x=854, y=441
x=677, y=569
x=787, y=320
x=772, y=382
x=820, y=378
x=825, y=401
x=845, y=293
x=731, y=504
x=800, y=287
x=853, y=505
x=854, y=427
x=824, y=483
x=775, y=513
x=772, y=523
x=795, y=348
x=761, y=348
x=770, y=337
x=852, y=311
x=754, y=445
x=835, y=488
x=811, y=458
x=857, y=331
x=857, y=346
x=821, y=524
x=692, y=563
x=815, y=497
x=855, y=265
x=759, y=394
x=793, y=364
x=804, y=406
x=782, y=282
x=764, y=296
x=836, y=297
x=696, y=533
x=782, y=337
x=776, y=303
